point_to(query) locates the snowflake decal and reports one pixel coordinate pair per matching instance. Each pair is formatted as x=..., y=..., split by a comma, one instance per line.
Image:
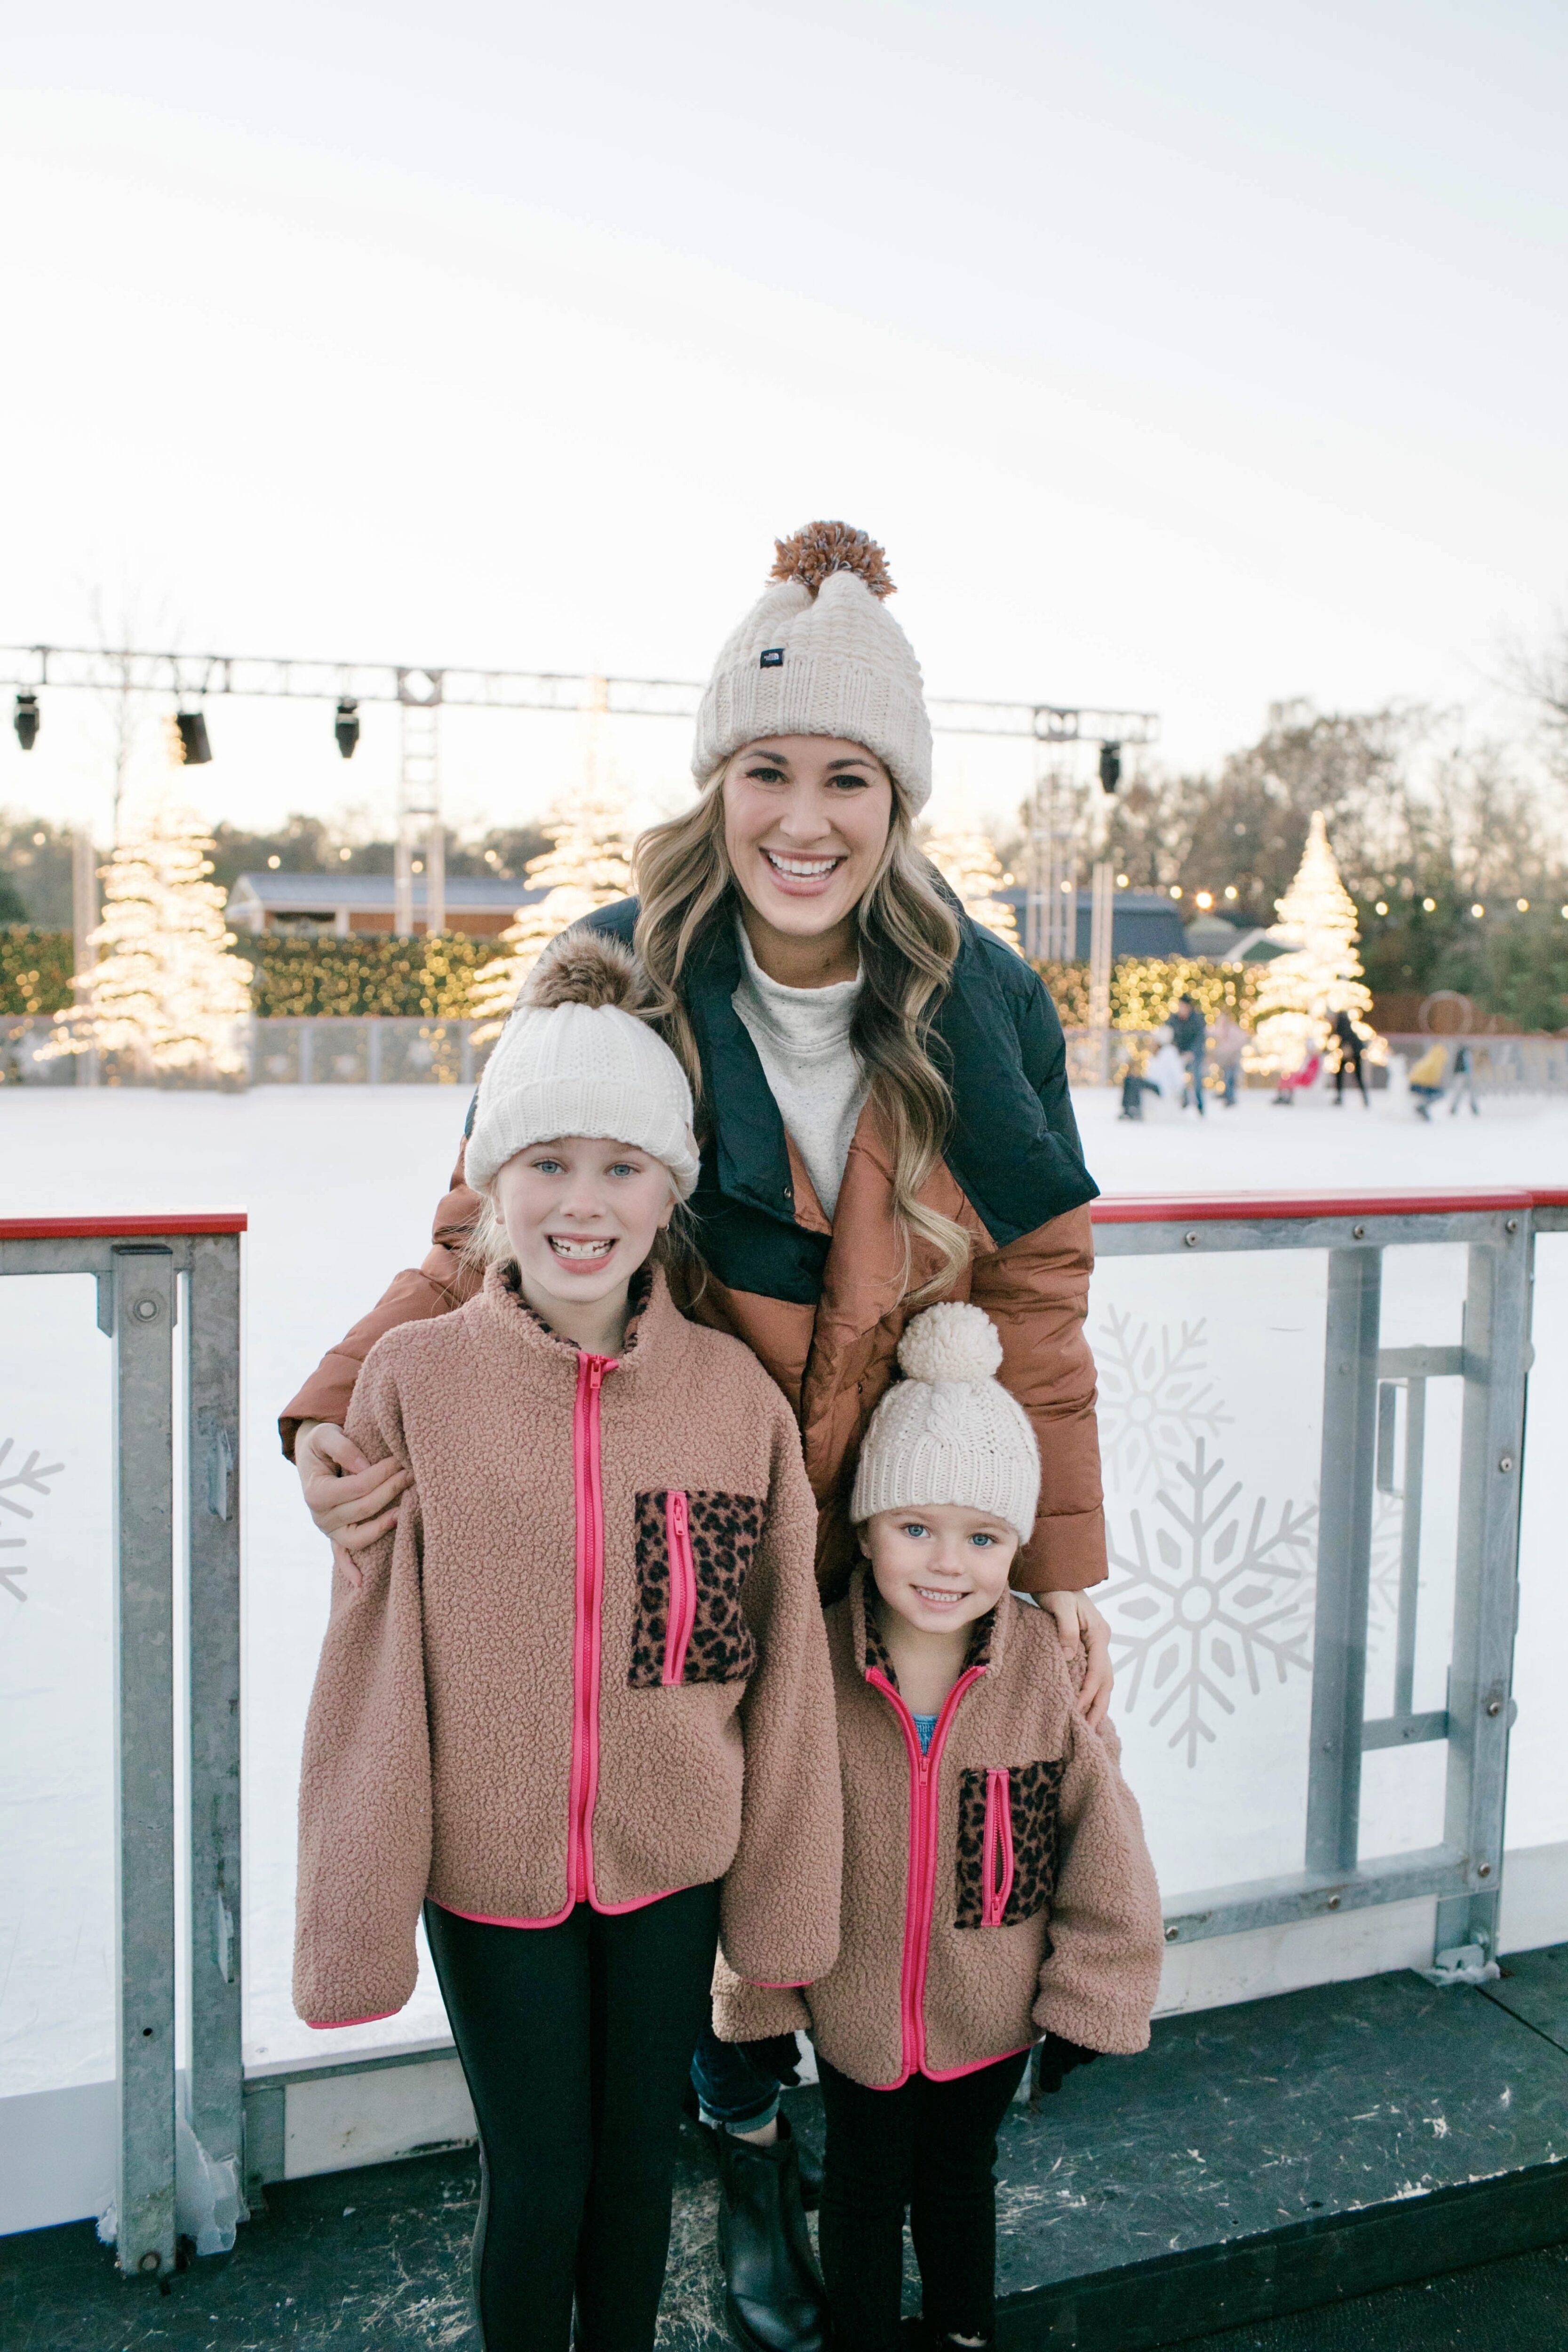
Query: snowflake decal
x=30, y=1476
x=1224, y=1595
x=1154, y=1398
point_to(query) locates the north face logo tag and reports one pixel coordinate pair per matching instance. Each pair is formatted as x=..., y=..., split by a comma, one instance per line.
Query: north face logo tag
x=772, y=657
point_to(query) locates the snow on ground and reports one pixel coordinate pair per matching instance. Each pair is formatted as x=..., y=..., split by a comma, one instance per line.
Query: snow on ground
x=339, y=1183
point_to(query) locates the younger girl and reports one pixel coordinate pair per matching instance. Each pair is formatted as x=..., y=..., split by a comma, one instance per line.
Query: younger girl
x=997, y=1887
x=577, y=1703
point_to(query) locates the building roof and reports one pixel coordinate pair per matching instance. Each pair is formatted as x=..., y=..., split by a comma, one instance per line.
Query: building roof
x=1142, y=922
x=372, y=894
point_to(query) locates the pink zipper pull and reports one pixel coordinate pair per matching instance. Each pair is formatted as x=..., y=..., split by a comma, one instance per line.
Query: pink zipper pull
x=682, y=1613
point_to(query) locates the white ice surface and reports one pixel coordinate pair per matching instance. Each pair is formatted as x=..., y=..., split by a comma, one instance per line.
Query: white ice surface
x=338, y=1184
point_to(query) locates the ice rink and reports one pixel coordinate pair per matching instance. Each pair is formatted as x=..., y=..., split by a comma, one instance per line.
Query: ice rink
x=1204, y=1370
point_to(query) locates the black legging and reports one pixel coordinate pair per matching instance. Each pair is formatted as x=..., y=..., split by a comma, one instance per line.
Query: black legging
x=1350, y=1067
x=929, y=2146
x=575, y=2041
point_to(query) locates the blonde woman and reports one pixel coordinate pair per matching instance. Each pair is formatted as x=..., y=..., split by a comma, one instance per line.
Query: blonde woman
x=883, y=1113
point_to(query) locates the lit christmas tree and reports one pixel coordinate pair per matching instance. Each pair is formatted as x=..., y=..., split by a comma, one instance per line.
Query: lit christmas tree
x=1300, y=992
x=590, y=866
x=968, y=862
x=165, y=990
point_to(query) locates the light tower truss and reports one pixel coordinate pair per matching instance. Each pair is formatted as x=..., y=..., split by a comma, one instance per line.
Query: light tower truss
x=421, y=690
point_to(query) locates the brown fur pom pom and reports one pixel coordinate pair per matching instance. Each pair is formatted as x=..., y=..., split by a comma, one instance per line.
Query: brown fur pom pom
x=814, y=554
x=584, y=967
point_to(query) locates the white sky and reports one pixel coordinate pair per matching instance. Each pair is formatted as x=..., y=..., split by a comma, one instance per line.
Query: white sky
x=1184, y=357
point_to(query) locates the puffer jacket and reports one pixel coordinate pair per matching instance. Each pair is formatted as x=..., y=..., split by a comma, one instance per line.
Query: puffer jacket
x=994, y=1890
x=823, y=1305
x=588, y=1665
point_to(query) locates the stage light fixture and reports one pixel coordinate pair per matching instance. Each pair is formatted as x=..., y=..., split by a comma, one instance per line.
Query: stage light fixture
x=194, y=749
x=1109, y=766
x=345, y=725
x=25, y=720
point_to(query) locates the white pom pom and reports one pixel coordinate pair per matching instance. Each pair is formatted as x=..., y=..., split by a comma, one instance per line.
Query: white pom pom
x=950, y=1343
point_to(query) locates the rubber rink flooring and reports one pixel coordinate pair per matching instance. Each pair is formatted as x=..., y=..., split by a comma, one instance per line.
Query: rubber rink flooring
x=1380, y=2164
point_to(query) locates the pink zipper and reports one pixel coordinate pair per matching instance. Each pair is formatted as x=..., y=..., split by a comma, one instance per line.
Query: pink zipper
x=590, y=1502
x=998, y=1836
x=682, y=1585
x=921, y=1898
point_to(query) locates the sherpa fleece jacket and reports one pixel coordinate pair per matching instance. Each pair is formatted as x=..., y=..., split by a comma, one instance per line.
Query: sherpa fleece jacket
x=995, y=1889
x=588, y=1665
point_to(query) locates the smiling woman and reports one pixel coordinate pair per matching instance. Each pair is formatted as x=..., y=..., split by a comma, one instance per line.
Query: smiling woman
x=881, y=1102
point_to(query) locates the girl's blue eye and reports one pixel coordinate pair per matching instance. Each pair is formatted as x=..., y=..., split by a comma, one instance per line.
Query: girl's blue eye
x=547, y=1167
x=980, y=1536
x=915, y=1528
x=624, y=1167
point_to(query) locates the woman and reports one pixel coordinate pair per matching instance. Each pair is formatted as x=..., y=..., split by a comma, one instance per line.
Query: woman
x=882, y=1098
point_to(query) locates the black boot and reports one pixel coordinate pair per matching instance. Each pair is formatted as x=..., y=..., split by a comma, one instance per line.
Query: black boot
x=773, y=2297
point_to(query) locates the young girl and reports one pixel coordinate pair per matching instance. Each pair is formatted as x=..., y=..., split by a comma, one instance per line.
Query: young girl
x=577, y=1704
x=997, y=1887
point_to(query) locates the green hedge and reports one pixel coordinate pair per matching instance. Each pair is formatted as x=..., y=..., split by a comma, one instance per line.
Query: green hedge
x=35, y=970
x=365, y=975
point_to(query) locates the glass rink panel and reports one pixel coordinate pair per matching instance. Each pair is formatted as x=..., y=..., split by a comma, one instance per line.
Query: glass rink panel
x=1211, y=1375
x=56, y=1687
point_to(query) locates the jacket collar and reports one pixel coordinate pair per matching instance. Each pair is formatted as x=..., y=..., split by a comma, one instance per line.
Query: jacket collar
x=651, y=1325
x=987, y=1635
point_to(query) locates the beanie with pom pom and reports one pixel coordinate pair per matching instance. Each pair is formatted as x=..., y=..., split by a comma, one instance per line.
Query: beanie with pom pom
x=949, y=1432
x=575, y=1060
x=819, y=654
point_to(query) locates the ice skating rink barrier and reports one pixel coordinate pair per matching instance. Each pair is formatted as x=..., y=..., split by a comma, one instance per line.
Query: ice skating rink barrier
x=1313, y=1424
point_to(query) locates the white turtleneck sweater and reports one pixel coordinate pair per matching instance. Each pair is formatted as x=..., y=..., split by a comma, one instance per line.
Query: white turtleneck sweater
x=802, y=1037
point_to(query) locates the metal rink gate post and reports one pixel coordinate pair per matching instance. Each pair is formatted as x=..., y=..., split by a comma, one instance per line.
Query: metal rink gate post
x=1359, y=1378
x=141, y=1265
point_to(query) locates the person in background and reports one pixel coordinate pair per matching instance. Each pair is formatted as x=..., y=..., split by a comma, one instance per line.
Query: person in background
x=1348, y=1038
x=1464, y=1082
x=1189, y=1034
x=996, y=1886
x=1229, y=1043
x=1134, y=1087
x=1427, y=1079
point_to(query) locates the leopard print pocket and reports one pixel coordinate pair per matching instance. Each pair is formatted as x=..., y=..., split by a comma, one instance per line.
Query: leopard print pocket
x=1007, y=1837
x=690, y=1627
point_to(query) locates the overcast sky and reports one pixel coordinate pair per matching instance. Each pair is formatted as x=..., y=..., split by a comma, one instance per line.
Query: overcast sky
x=1185, y=357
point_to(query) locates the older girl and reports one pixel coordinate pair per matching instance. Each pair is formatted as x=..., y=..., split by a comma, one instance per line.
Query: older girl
x=576, y=1702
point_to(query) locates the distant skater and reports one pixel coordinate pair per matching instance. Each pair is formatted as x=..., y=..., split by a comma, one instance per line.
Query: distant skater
x=1347, y=1037
x=1229, y=1043
x=1427, y=1079
x=1189, y=1034
x=1464, y=1083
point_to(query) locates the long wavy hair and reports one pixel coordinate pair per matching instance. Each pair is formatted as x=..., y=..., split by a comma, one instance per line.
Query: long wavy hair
x=909, y=944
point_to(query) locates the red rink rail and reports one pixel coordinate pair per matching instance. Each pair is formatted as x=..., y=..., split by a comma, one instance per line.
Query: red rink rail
x=121, y=1229
x=1151, y=1209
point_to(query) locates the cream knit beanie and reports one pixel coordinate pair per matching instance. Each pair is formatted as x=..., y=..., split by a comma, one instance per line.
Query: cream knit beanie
x=819, y=654
x=949, y=1432
x=575, y=1060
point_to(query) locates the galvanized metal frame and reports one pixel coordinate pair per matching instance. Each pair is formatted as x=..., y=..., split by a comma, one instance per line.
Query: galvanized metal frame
x=138, y=1265
x=1464, y=1872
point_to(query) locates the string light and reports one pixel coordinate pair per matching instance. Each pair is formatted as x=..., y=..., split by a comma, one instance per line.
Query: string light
x=1524, y=906
x=1382, y=907
x=1176, y=889
x=1430, y=906
x=1231, y=891
x=1478, y=910
x=1205, y=899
